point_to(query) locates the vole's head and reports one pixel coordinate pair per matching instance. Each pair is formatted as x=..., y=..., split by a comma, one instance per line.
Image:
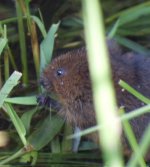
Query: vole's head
x=67, y=76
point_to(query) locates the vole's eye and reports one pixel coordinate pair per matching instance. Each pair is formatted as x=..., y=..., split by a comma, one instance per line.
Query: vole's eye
x=60, y=72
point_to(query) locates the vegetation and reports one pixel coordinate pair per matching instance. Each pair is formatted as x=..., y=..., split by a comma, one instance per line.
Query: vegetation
x=33, y=134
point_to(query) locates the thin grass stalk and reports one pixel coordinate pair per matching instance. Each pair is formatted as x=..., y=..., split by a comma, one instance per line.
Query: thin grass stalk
x=35, y=47
x=116, y=15
x=132, y=140
x=66, y=144
x=22, y=43
x=144, y=148
x=103, y=93
x=11, y=57
x=1, y=81
x=24, y=5
x=6, y=65
x=127, y=116
x=19, y=153
x=56, y=145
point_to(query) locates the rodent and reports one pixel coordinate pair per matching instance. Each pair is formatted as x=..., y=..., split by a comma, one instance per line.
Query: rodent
x=68, y=77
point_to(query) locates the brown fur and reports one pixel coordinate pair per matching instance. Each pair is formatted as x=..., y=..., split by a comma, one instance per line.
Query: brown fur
x=73, y=87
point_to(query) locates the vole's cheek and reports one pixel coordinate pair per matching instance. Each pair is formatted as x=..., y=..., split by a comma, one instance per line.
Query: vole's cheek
x=61, y=83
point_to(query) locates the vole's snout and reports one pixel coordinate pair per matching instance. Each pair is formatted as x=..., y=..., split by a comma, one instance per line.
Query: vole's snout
x=45, y=83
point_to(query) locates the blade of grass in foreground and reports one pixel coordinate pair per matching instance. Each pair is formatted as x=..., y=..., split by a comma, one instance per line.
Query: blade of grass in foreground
x=47, y=45
x=22, y=43
x=134, y=92
x=127, y=116
x=10, y=83
x=3, y=40
x=101, y=83
x=17, y=122
x=132, y=45
x=132, y=140
x=49, y=128
x=30, y=100
x=144, y=146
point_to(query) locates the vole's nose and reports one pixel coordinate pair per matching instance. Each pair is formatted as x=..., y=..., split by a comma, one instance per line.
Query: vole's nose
x=45, y=83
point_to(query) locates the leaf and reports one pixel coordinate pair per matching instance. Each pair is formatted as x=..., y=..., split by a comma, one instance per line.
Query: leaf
x=26, y=118
x=114, y=29
x=130, y=135
x=30, y=100
x=3, y=42
x=40, y=25
x=143, y=146
x=134, y=92
x=3, y=39
x=17, y=122
x=134, y=14
x=72, y=22
x=10, y=83
x=132, y=45
x=47, y=45
x=44, y=134
x=66, y=143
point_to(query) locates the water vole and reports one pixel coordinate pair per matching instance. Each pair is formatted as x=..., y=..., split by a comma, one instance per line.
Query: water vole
x=68, y=77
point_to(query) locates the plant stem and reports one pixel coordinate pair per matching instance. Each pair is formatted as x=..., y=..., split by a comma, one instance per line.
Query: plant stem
x=103, y=93
x=14, y=156
x=22, y=43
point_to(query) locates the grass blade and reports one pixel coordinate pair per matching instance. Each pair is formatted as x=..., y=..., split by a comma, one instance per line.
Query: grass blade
x=134, y=92
x=22, y=43
x=27, y=117
x=46, y=132
x=132, y=140
x=30, y=100
x=103, y=93
x=40, y=25
x=144, y=146
x=17, y=122
x=132, y=45
x=47, y=45
x=10, y=83
x=3, y=42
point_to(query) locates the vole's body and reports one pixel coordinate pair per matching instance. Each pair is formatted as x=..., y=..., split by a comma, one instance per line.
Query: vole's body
x=68, y=77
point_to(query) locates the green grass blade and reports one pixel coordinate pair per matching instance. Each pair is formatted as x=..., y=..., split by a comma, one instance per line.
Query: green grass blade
x=67, y=144
x=46, y=132
x=56, y=145
x=127, y=116
x=103, y=93
x=40, y=25
x=30, y=100
x=134, y=92
x=114, y=29
x=132, y=45
x=144, y=146
x=27, y=117
x=17, y=122
x=47, y=45
x=10, y=83
x=132, y=140
x=134, y=14
x=12, y=157
x=3, y=38
x=22, y=43
x=130, y=10
x=3, y=42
